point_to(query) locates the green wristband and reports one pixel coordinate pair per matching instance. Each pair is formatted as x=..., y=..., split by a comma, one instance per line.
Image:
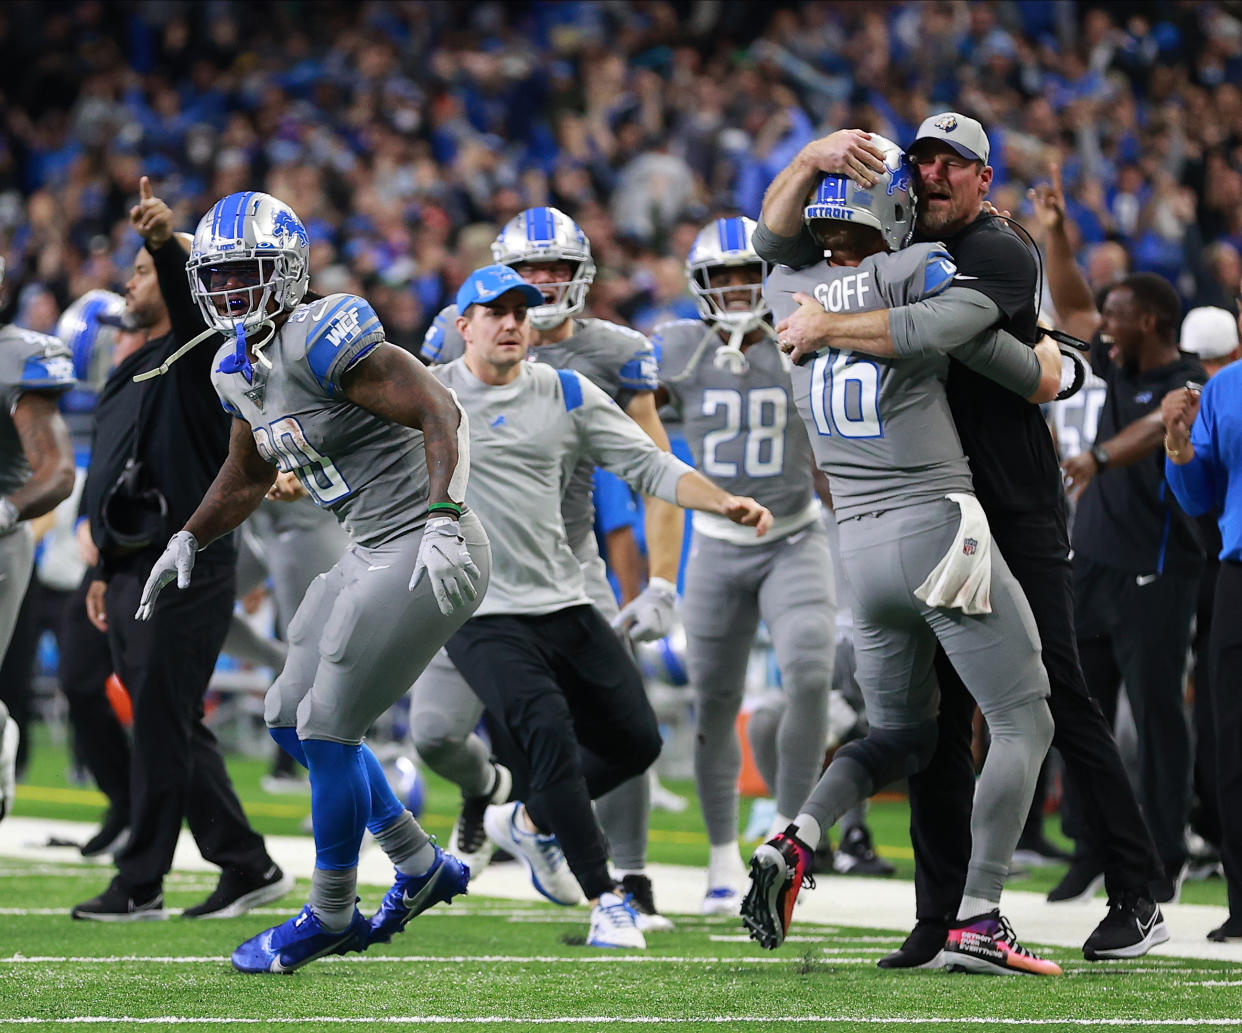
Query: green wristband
x=446, y=507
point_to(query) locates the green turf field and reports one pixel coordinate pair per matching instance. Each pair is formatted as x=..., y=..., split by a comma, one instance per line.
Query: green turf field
x=498, y=964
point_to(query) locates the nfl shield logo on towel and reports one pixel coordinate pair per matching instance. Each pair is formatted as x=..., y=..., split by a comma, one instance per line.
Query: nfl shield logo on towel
x=968, y=546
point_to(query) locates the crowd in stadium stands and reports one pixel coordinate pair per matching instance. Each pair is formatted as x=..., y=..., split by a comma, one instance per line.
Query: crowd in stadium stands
x=405, y=133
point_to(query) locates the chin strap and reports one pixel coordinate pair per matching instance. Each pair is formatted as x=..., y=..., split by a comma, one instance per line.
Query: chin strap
x=730, y=356
x=238, y=362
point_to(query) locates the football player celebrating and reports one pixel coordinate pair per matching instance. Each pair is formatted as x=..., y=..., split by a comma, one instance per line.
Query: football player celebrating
x=548, y=249
x=314, y=389
x=730, y=383
x=916, y=553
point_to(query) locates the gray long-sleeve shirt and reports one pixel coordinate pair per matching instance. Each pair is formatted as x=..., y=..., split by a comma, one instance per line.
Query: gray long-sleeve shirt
x=526, y=437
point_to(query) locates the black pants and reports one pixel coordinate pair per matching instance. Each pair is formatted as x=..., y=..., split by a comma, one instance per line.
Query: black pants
x=1226, y=708
x=572, y=699
x=1036, y=547
x=85, y=663
x=1206, y=816
x=177, y=771
x=1140, y=634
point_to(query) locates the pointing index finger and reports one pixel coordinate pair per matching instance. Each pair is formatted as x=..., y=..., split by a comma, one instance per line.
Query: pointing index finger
x=144, y=189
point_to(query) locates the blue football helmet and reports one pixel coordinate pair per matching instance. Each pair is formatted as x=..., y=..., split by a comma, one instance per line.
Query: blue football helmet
x=723, y=244
x=88, y=328
x=549, y=235
x=889, y=206
x=250, y=251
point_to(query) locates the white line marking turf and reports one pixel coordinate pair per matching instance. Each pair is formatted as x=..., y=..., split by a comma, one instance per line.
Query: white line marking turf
x=645, y=1020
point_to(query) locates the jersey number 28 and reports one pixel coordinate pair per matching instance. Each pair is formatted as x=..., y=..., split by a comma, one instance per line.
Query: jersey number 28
x=766, y=413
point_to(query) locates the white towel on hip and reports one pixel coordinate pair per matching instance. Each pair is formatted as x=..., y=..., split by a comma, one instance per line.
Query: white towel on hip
x=962, y=580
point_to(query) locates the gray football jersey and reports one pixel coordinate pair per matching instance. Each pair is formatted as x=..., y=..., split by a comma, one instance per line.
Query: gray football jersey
x=742, y=428
x=523, y=436
x=881, y=430
x=28, y=362
x=371, y=473
x=619, y=361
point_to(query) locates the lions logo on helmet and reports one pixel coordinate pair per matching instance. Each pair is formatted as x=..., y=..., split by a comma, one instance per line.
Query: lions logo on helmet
x=549, y=235
x=721, y=245
x=891, y=210
x=250, y=259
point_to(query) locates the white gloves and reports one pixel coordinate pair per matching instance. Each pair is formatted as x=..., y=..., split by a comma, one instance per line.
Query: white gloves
x=8, y=516
x=444, y=559
x=651, y=614
x=177, y=560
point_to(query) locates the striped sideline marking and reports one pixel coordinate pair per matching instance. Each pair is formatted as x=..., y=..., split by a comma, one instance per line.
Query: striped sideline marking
x=646, y=1020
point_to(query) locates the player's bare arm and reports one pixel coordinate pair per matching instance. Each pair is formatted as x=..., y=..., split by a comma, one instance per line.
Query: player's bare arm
x=393, y=384
x=663, y=522
x=236, y=492
x=45, y=440
x=847, y=151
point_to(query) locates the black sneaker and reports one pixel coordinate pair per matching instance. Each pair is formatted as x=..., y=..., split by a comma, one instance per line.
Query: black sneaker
x=642, y=900
x=113, y=834
x=469, y=842
x=922, y=949
x=856, y=856
x=1231, y=930
x=1132, y=927
x=237, y=892
x=1081, y=882
x=116, y=905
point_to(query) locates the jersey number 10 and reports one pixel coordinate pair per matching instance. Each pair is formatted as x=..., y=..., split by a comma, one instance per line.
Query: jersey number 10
x=845, y=396
x=284, y=444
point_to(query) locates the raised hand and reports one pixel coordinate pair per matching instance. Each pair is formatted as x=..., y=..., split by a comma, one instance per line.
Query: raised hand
x=151, y=217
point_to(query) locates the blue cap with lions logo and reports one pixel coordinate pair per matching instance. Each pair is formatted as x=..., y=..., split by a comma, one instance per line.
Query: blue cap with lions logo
x=489, y=283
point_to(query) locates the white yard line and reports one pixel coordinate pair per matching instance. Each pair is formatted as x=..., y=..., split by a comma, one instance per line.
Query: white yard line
x=645, y=1020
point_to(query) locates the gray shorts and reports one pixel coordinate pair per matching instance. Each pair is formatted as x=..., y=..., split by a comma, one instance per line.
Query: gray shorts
x=885, y=557
x=361, y=638
x=16, y=566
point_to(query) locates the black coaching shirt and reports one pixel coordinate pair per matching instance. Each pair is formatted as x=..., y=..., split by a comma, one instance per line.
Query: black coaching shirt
x=185, y=433
x=1128, y=518
x=1012, y=459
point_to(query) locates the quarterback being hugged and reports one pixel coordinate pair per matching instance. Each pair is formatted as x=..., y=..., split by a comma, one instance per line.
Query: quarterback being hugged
x=315, y=390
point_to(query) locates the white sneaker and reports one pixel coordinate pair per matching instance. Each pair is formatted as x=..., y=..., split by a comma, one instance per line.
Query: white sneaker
x=549, y=872
x=8, y=761
x=469, y=842
x=722, y=900
x=614, y=924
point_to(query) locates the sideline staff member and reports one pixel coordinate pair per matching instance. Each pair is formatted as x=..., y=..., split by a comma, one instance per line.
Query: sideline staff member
x=1203, y=465
x=175, y=427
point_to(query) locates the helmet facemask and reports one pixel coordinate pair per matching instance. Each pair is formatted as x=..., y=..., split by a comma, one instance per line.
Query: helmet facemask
x=731, y=306
x=568, y=297
x=260, y=287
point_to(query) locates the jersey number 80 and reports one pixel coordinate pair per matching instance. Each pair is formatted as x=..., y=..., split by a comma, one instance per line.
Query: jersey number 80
x=284, y=445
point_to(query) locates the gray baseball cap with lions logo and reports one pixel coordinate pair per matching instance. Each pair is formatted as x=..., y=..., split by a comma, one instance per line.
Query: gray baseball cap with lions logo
x=964, y=135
